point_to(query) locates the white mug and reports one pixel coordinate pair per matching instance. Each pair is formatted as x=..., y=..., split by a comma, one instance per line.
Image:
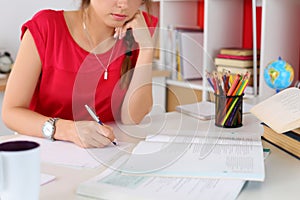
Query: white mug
x=19, y=170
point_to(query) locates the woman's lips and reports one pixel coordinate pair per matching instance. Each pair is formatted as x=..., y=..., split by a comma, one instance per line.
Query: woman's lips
x=119, y=17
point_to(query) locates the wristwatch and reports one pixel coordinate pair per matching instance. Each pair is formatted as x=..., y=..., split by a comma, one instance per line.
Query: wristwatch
x=48, y=129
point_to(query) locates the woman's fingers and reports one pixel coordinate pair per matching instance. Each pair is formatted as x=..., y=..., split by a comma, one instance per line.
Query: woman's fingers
x=91, y=134
x=137, y=22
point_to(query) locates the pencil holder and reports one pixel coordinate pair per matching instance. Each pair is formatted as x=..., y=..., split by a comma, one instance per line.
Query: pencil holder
x=228, y=111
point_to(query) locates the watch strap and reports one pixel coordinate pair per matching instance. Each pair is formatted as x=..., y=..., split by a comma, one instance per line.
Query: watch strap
x=53, y=121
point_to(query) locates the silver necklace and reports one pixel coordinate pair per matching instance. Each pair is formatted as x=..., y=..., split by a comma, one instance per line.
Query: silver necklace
x=89, y=38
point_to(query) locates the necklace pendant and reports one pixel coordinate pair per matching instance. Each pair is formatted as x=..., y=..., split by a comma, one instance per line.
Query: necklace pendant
x=105, y=75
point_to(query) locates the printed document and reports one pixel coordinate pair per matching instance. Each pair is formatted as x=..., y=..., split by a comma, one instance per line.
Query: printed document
x=69, y=154
x=115, y=185
x=227, y=155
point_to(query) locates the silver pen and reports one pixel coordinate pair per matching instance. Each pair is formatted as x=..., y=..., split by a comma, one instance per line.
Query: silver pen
x=96, y=118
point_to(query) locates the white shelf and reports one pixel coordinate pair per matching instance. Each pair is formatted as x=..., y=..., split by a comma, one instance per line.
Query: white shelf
x=254, y=42
x=223, y=27
x=280, y=37
x=175, y=13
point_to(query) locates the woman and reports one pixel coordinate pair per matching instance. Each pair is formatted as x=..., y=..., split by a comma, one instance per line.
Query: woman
x=60, y=67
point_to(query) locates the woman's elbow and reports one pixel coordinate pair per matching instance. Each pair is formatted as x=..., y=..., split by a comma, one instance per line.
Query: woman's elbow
x=5, y=116
x=138, y=118
x=137, y=115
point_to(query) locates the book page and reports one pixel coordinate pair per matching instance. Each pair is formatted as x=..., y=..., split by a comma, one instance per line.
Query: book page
x=115, y=185
x=281, y=111
x=297, y=130
x=225, y=140
x=250, y=136
x=244, y=162
x=217, y=153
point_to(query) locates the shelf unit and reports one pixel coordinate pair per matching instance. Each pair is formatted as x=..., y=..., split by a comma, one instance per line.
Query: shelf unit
x=280, y=37
x=223, y=27
x=173, y=12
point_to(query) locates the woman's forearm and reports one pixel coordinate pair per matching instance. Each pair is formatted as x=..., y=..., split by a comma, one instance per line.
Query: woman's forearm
x=27, y=122
x=138, y=99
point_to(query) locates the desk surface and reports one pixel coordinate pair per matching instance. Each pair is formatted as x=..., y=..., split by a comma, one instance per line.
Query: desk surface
x=282, y=170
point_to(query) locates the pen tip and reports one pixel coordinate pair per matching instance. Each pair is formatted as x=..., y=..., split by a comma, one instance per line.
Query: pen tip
x=115, y=142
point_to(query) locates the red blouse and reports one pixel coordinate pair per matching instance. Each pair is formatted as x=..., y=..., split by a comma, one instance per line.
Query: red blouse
x=72, y=77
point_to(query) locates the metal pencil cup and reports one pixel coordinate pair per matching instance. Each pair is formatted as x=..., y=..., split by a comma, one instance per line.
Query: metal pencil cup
x=229, y=111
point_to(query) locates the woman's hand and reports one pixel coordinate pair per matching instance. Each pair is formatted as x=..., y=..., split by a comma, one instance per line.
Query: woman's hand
x=140, y=31
x=90, y=134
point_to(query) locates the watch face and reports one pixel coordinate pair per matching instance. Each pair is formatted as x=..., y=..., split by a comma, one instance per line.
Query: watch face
x=48, y=129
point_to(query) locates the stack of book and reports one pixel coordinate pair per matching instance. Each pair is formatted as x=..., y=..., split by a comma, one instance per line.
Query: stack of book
x=236, y=61
x=288, y=141
x=280, y=114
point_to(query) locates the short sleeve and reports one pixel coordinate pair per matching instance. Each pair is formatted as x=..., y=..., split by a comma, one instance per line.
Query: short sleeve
x=39, y=29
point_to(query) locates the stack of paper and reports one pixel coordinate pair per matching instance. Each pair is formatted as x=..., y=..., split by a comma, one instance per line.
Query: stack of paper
x=75, y=156
x=185, y=164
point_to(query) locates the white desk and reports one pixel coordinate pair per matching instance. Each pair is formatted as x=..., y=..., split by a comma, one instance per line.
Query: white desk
x=282, y=170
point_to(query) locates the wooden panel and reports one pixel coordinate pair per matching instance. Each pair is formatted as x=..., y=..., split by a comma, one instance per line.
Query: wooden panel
x=179, y=96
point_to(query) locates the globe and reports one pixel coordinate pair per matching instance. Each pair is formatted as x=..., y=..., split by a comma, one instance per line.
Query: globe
x=279, y=74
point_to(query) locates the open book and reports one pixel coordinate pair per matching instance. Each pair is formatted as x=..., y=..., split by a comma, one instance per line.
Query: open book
x=281, y=111
x=219, y=153
x=185, y=164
